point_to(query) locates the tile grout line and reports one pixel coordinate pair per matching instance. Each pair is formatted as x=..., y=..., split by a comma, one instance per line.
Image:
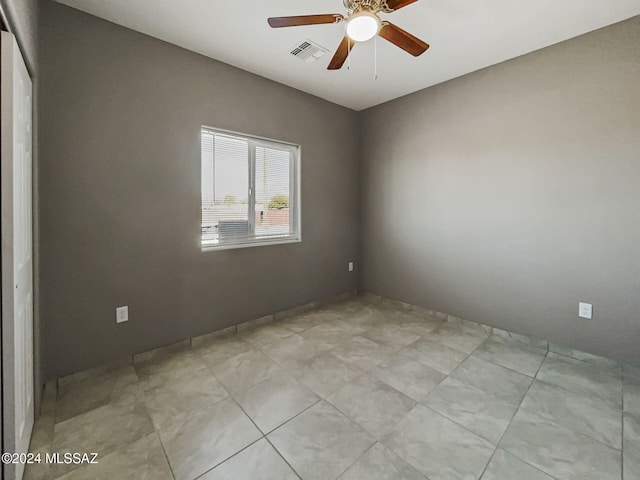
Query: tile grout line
x=591, y=364
x=562, y=426
x=164, y=451
x=375, y=440
x=576, y=432
x=583, y=434
x=320, y=399
x=356, y=460
x=262, y=435
x=356, y=423
x=451, y=373
x=498, y=445
x=192, y=414
x=328, y=351
x=265, y=435
x=156, y=430
x=421, y=402
x=542, y=352
x=282, y=457
x=454, y=422
x=228, y=458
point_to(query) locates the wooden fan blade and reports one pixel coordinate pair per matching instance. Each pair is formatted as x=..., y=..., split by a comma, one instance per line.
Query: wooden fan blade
x=341, y=54
x=279, y=22
x=403, y=39
x=398, y=4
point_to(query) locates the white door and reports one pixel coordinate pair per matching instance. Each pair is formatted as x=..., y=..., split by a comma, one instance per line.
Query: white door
x=17, y=263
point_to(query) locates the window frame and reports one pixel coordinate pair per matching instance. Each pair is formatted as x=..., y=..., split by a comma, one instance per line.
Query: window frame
x=295, y=197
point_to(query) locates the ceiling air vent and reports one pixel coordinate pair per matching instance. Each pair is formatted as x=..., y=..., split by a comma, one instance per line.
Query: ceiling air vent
x=308, y=51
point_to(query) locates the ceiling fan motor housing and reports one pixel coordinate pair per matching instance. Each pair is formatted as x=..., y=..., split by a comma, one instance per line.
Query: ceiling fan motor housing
x=373, y=6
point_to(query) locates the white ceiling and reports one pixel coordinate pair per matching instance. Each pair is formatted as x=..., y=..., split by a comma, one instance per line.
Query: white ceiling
x=465, y=35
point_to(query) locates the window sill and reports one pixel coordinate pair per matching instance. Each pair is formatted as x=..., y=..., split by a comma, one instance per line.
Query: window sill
x=257, y=243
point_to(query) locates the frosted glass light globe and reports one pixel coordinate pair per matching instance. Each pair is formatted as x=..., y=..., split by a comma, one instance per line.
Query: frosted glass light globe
x=362, y=27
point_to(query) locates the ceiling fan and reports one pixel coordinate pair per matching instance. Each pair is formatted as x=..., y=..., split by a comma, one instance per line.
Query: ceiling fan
x=362, y=24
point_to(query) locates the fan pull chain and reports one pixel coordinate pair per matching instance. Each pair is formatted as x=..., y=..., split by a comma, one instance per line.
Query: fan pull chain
x=348, y=53
x=375, y=57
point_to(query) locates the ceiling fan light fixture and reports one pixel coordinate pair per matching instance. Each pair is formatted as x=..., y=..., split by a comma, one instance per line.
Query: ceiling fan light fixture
x=363, y=26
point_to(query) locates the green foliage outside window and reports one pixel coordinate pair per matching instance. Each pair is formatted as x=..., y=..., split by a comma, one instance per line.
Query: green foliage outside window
x=279, y=202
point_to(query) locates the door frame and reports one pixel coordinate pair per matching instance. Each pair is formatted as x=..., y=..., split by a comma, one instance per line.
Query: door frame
x=4, y=25
x=7, y=417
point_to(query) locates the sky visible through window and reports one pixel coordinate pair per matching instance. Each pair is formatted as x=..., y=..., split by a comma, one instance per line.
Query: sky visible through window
x=230, y=167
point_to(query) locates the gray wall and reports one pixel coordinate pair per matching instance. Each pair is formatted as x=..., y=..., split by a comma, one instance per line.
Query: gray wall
x=510, y=194
x=120, y=117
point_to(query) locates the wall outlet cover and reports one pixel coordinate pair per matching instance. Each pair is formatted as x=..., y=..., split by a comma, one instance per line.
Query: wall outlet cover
x=351, y=266
x=122, y=314
x=585, y=310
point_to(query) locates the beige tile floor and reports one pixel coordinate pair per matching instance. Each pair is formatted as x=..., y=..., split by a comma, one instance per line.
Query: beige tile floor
x=353, y=390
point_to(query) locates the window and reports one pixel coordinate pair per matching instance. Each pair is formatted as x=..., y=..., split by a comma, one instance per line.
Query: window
x=250, y=191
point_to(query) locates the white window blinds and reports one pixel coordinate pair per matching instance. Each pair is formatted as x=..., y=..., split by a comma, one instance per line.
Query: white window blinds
x=250, y=190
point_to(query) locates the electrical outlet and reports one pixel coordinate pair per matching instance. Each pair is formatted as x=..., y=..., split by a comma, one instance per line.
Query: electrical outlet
x=122, y=314
x=351, y=266
x=585, y=310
